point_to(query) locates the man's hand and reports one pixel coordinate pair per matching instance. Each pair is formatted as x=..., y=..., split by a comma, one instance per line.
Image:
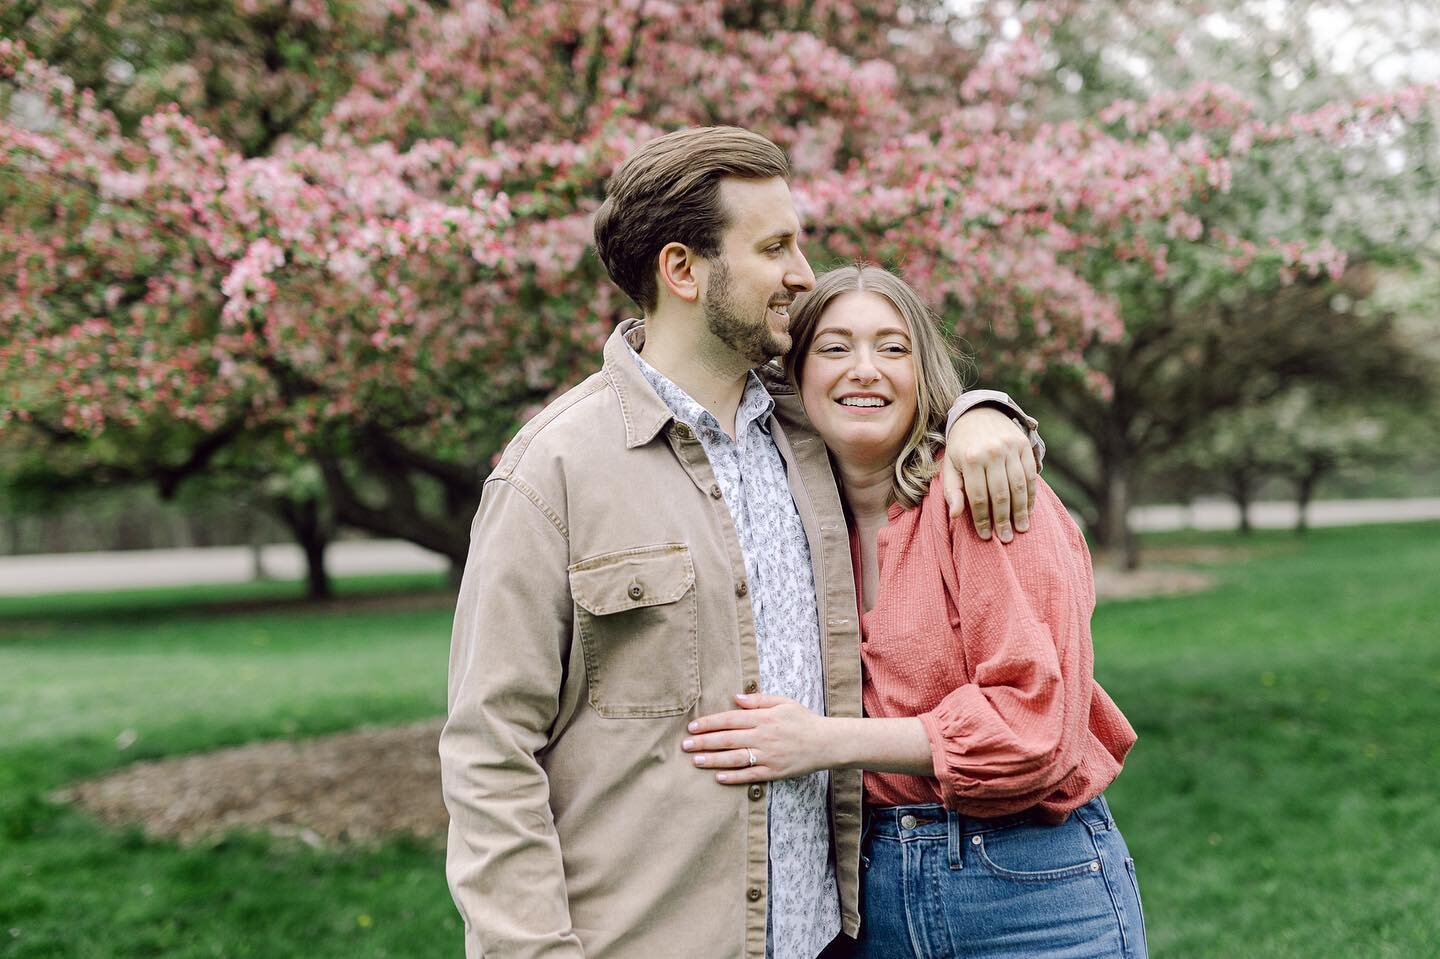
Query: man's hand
x=988, y=461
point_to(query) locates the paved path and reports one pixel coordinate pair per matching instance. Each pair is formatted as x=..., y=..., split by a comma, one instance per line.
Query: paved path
x=34, y=575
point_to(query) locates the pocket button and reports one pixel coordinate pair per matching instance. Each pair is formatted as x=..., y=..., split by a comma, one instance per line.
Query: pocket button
x=636, y=590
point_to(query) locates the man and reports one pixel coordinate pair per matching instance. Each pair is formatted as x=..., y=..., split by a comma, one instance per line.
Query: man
x=656, y=540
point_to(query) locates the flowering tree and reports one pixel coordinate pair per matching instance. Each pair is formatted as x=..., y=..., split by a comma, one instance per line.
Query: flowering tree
x=396, y=283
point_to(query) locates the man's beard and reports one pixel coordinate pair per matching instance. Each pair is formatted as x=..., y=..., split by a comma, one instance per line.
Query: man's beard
x=752, y=339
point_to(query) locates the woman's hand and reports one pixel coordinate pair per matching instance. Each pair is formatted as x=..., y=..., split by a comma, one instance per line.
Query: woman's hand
x=784, y=738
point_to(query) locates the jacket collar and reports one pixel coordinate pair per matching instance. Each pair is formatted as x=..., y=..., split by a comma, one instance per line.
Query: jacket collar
x=644, y=412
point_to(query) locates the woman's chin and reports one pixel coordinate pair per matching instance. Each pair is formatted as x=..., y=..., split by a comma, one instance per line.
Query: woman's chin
x=863, y=447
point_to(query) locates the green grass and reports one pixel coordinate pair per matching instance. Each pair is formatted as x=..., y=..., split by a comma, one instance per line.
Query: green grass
x=179, y=674
x=1280, y=802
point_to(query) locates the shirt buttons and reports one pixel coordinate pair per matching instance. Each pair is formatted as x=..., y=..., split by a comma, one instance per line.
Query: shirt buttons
x=742, y=588
x=752, y=687
x=754, y=894
x=907, y=822
x=715, y=491
x=757, y=791
x=636, y=591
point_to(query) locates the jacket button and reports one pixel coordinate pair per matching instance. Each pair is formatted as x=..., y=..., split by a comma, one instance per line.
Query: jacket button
x=683, y=431
x=757, y=791
x=752, y=687
x=715, y=492
x=742, y=589
x=636, y=590
x=754, y=894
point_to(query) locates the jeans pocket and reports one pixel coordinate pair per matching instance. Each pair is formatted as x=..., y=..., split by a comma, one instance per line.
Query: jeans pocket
x=1140, y=944
x=1037, y=853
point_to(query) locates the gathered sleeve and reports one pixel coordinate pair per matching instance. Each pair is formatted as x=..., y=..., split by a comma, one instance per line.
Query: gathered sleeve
x=1019, y=726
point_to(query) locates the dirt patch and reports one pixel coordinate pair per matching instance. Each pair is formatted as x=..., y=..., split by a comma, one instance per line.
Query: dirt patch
x=1113, y=583
x=351, y=788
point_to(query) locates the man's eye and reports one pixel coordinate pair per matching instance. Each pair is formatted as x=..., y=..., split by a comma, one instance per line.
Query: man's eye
x=774, y=249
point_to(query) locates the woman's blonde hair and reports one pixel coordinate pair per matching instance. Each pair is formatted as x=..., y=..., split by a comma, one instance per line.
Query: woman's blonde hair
x=937, y=383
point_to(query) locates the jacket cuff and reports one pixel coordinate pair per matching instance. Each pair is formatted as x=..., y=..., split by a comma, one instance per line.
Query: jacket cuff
x=997, y=399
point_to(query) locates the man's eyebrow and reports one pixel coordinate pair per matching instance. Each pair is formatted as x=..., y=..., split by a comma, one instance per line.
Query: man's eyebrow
x=778, y=235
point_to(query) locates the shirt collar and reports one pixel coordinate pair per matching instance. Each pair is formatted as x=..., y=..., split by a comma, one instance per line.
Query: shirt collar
x=755, y=403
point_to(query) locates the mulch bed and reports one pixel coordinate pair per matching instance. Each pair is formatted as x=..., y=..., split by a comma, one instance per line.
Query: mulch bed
x=351, y=788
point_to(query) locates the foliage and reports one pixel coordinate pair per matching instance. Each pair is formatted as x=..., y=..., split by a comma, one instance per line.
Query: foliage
x=403, y=278
x=1221, y=323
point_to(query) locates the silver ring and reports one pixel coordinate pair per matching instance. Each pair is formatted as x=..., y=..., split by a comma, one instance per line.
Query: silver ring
x=752, y=755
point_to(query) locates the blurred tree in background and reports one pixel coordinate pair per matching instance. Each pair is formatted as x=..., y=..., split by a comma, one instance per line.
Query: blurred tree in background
x=351, y=239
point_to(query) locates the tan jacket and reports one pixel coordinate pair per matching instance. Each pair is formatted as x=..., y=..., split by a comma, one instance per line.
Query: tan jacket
x=604, y=606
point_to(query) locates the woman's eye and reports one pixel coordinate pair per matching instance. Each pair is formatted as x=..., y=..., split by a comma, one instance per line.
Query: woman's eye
x=896, y=349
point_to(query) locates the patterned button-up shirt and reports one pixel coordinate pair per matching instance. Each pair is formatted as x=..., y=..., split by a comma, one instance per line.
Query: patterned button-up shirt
x=804, y=904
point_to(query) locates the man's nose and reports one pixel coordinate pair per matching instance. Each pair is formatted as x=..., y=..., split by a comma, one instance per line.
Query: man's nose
x=800, y=278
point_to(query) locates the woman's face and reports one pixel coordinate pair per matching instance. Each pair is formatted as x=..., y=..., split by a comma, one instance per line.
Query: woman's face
x=858, y=378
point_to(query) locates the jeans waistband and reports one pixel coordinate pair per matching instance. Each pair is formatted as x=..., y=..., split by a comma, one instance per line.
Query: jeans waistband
x=932, y=820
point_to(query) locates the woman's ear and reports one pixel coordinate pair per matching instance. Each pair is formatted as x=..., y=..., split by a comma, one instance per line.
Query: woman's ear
x=677, y=264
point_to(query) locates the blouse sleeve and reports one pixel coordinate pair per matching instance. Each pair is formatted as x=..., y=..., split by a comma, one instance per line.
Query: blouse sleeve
x=1019, y=725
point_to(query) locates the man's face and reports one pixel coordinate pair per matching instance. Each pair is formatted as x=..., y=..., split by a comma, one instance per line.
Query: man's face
x=759, y=270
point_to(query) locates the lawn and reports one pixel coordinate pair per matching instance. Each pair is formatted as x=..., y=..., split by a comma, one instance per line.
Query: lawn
x=1280, y=803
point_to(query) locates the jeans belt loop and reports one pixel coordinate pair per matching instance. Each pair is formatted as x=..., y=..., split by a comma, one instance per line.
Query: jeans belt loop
x=955, y=834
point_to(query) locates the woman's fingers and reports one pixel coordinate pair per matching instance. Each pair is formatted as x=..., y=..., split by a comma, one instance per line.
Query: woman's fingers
x=727, y=759
x=713, y=742
x=761, y=700
x=733, y=719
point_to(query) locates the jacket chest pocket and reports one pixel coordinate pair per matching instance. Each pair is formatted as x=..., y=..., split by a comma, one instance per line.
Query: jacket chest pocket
x=636, y=612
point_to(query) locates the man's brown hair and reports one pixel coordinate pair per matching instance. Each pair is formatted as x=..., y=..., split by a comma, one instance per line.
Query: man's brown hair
x=668, y=191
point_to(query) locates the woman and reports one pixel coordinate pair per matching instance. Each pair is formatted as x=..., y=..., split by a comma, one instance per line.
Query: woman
x=987, y=744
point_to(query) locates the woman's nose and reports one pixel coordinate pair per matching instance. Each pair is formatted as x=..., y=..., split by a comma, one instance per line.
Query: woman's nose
x=863, y=370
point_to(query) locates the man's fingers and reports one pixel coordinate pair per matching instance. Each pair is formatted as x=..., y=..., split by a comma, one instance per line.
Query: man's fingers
x=1032, y=476
x=999, y=501
x=954, y=487
x=1019, y=492
x=979, y=498
x=733, y=719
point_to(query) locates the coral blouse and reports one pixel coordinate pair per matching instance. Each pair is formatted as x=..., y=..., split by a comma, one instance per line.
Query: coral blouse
x=989, y=645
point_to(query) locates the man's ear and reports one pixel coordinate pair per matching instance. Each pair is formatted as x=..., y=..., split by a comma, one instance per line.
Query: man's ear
x=678, y=266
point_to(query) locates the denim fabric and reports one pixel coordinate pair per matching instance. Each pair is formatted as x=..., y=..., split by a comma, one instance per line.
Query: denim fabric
x=936, y=884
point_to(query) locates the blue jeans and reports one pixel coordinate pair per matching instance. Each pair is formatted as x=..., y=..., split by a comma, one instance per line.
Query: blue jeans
x=938, y=884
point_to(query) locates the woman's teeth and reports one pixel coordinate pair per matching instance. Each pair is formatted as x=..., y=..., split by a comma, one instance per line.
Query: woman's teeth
x=863, y=401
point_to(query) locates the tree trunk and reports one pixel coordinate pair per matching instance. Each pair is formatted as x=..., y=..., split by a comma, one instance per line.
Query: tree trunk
x=1304, y=493
x=1113, y=532
x=308, y=525
x=1242, y=491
